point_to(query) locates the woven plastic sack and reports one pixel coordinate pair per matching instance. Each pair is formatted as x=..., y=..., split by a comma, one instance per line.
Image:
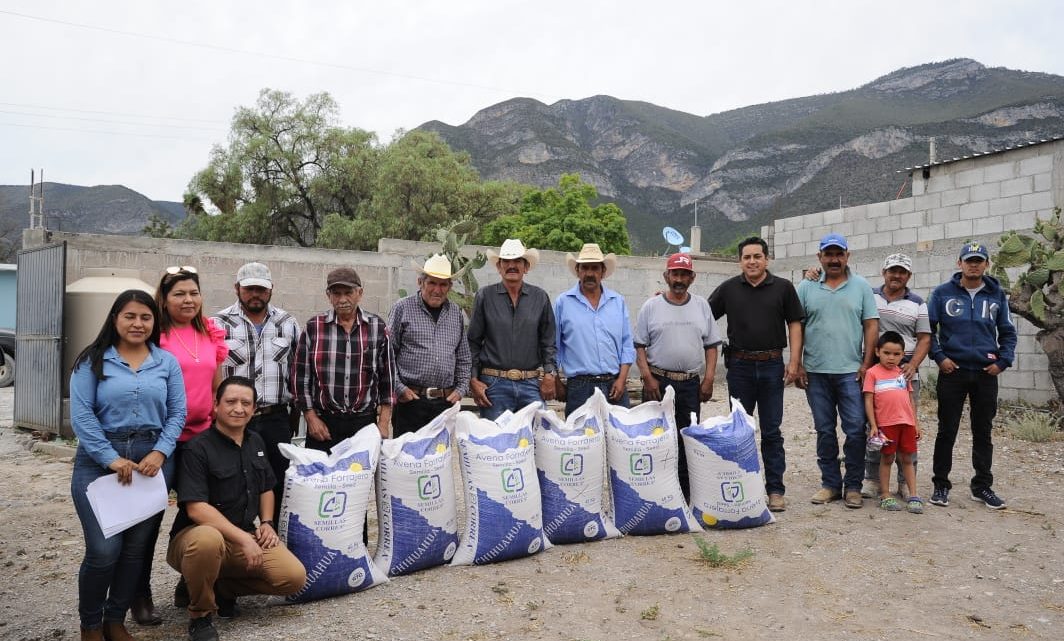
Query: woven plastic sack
x=324, y=514
x=726, y=486
x=641, y=447
x=571, y=463
x=504, y=516
x=416, y=509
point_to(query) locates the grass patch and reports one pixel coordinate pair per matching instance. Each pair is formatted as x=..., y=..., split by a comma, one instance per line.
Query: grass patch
x=711, y=555
x=1036, y=427
x=651, y=613
x=929, y=386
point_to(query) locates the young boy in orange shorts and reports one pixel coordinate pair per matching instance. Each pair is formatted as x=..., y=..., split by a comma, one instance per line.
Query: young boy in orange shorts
x=892, y=417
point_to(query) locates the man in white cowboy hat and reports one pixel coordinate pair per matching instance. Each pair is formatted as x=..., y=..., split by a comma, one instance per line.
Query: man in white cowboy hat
x=594, y=335
x=431, y=351
x=511, y=336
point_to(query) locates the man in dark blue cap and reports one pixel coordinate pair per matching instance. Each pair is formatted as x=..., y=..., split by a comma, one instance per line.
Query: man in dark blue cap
x=972, y=340
x=840, y=329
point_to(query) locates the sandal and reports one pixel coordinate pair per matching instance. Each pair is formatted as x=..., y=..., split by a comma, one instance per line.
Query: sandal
x=915, y=505
x=890, y=504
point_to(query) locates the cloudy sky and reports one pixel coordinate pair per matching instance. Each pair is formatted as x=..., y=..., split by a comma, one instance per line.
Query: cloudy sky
x=136, y=93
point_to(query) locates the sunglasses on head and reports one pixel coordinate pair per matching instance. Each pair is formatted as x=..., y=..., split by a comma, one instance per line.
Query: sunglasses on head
x=183, y=269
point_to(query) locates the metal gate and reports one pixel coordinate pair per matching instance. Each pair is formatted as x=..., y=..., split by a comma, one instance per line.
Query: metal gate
x=39, y=338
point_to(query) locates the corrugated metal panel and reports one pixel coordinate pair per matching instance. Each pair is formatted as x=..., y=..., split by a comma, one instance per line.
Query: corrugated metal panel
x=39, y=338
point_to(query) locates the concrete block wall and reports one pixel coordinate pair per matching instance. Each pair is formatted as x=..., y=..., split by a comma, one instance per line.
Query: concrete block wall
x=975, y=199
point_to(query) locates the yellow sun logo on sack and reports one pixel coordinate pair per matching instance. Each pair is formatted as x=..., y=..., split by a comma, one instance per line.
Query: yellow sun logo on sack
x=440, y=448
x=523, y=443
x=658, y=430
x=355, y=467
x=588, y=431
x=709, y=519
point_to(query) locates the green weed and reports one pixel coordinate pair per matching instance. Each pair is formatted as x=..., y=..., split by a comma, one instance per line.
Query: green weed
x=714, y=558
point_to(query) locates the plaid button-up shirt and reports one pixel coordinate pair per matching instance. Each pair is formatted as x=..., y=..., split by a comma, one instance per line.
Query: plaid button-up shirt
x=344, y=373
x=430, y=353
x=265, y=357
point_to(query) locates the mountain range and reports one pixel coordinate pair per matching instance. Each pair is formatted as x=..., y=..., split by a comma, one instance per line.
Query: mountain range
x=748, y=166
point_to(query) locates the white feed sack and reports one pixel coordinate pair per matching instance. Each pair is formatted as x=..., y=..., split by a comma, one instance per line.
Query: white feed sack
x=504, y=516
x=641, y=447
x=416, y=507
x=571, y=462
x=726, y=486
x=324, y=514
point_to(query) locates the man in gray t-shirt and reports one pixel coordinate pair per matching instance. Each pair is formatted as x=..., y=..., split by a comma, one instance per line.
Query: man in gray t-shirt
x=675, y=335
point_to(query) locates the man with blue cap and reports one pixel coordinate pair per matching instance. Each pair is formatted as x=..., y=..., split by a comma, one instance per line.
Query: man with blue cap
x=840, y=329
x=972, y=340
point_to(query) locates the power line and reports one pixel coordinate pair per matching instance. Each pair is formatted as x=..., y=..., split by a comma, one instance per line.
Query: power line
x=106, y=113
x=262, y=54
x=109, y=133
x=111, y=122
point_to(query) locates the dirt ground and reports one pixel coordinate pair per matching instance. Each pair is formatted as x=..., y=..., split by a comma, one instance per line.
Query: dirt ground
x=819, y=572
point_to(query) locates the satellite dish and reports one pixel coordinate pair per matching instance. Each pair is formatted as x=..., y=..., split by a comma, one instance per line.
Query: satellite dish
x=685, y=250
x=672, y=236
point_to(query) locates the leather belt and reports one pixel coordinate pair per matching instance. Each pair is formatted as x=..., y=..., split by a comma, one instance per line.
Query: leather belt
x=431, y=392
x=512, y=374
x=594, y=378
x=762, y=355
x=266, y=410
x=672, y=376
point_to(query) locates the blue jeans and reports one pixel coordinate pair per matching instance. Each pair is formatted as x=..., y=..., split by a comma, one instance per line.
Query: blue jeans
x=579, y=389
x=505, y=394
x=833, y=396
x=688, y=399
x=112, y=566
x=759, y=384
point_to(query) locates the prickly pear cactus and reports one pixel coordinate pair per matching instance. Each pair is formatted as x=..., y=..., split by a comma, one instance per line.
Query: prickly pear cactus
x=452, y=239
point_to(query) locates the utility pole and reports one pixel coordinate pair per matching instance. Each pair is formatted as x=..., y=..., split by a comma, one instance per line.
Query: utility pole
x=36, y=201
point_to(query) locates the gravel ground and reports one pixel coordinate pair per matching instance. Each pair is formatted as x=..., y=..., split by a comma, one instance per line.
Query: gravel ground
x=820, y=572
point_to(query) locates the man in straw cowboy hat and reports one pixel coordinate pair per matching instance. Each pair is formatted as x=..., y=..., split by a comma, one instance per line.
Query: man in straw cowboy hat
x=431, y=351
x=594, y=336
x=511, y=336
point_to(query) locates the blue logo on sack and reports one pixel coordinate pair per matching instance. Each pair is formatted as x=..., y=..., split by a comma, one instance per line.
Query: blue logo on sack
x=732, y=492
x=428, y=487
x=332, y=504
x=572, y=464
x=513, y=480
x=641, y=464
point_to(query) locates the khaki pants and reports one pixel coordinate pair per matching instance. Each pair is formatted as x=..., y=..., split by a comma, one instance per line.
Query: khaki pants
x=209, y=562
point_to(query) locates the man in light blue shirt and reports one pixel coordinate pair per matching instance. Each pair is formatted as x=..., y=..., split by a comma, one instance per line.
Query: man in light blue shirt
x=840, y=329
x=594, y=336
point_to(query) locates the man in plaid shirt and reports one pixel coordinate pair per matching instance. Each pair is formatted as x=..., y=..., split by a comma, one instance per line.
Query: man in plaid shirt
x=344, y=374
x=428, y=334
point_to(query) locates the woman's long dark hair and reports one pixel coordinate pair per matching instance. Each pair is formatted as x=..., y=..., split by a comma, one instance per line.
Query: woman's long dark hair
x=166, y=283
x=108, y=335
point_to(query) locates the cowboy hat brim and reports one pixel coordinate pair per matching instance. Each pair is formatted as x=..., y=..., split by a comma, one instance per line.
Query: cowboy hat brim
x=609, y=261
x=531, y=255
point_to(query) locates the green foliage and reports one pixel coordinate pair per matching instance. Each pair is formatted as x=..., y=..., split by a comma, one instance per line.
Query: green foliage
x=563, y=219
x=732, y=248
x=452, y=239
x=714, y=558
x=652, y=613
x=1035, y=427
x=1037, y=294
x=157, y=227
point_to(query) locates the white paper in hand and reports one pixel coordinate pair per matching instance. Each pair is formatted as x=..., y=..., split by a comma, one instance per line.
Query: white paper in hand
x=118, y=507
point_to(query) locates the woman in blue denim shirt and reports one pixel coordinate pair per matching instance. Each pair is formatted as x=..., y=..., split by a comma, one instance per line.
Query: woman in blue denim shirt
x=127, y=407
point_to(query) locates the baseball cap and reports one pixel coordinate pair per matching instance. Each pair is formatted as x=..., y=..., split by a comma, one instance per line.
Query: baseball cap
x=680, y=261
x=834, y=240
x=972, y=250
x=254, y=275
x=343, y=276
x=898, y=260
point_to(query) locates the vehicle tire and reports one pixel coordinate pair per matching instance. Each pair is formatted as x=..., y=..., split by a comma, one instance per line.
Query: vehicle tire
x=7, y=370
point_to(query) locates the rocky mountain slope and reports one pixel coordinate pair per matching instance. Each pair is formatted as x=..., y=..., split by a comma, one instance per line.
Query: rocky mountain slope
x=751, y=165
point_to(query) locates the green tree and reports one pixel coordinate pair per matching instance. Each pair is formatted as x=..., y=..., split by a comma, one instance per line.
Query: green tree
x=288, y=165
x=158, y=227
x=563, y=219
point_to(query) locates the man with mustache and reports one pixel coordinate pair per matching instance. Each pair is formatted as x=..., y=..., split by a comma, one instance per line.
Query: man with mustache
x=262, y=342
x=511, y=336
x=840, y=331
x=764, y=316
x=593, y=332
x=675, y=335
x=344, y=374
x=428, y=334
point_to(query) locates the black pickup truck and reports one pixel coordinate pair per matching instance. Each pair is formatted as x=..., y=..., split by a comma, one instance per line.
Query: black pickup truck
x=7, y=357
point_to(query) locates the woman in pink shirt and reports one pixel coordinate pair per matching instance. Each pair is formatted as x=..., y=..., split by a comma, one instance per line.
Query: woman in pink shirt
x=199, y=348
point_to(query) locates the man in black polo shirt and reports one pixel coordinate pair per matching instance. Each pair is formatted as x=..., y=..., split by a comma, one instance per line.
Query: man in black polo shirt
x=224, y=484
x=764, y=317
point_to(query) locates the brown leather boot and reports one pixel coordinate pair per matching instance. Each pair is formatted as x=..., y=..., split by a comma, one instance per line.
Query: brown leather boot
x=91, y=634
x=116, y=631
x=143, y=611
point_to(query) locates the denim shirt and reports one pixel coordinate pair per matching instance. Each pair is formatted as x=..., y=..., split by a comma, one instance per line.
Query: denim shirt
x=592, y=340
x=151, y=398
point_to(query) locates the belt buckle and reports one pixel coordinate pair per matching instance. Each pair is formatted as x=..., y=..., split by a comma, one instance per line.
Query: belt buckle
x=429, y=391
x=515, y=375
